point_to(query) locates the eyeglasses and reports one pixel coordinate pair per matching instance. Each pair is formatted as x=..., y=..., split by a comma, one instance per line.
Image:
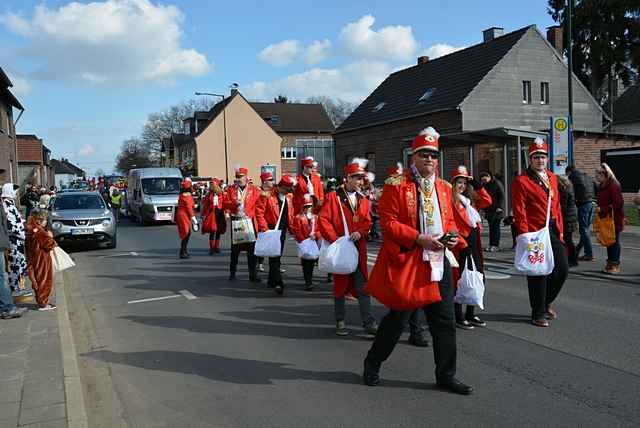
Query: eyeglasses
x=427, y=155
x=538, y=157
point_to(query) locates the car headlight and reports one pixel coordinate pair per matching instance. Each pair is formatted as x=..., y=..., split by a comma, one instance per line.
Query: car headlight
x=147, y=200
x=106, y=222
x=56, y=225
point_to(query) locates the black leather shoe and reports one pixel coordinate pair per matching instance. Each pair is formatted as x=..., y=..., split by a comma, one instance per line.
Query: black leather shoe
x=279, y=290
x=418, y=340
x=455, y=386
x=371, y=374
x=184, y=256
x=232, y=277
x=255, y=279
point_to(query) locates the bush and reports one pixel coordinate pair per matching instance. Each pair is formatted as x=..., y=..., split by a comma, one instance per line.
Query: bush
x=631, y=215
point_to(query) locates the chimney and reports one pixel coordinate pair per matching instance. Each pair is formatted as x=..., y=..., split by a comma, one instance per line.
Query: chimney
x=423, y=60
x=492, y=33
x=234, y=91
x=555, y=37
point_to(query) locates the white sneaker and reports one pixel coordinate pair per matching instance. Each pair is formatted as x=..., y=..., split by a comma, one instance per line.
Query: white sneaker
x=47, y=308
x=261, y=267
x=282, y=270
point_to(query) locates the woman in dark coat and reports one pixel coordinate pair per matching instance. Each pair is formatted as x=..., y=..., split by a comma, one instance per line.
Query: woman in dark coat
x=610, y=200
x=569, y=216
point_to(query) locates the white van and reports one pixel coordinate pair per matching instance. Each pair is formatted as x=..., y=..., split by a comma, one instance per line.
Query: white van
x=153, y=194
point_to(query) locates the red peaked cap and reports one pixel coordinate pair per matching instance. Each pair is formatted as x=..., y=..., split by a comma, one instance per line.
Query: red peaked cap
x=461, y=171
x=241, y=172
x=308, y=161
x=356, y=167
x=395, y=170
x=186, y=183
x=426, y=140
x=286, y=181
x=267, y=175
x=538, y=146
x=215, y=181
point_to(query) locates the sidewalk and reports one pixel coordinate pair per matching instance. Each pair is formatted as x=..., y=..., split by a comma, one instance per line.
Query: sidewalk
x=34, y=391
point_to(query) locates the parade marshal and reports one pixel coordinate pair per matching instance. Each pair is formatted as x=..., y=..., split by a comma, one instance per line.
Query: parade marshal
x=412, y=269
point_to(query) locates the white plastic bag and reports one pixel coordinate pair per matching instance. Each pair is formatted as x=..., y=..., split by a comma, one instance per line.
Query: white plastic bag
x=534, y=255
x=268, y=243
x=470, y=287
x=61, y=260
x=341, y=256
x=242, y=231
x=308, y=249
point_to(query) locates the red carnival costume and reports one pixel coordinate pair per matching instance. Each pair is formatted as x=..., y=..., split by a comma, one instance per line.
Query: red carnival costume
x=302, y=187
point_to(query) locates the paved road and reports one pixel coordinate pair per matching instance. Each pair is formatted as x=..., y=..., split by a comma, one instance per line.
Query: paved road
x=239, y=356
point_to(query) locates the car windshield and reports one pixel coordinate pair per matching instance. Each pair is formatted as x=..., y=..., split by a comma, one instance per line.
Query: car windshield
x=78, y=202
x=161, y=186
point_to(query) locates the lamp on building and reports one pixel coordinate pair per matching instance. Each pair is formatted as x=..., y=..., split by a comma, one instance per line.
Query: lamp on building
x=224, y=126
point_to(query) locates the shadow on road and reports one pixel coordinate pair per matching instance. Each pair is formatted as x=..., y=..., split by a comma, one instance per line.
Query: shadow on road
x=236, y=370
x=510, y=318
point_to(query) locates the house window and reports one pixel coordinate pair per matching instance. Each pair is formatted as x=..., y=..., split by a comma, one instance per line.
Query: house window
x=544, y=92
x=275, y=119
x=526, y=92
x=427, y=95
x=371, y=166
x=288, y=152
x=379, y=106
x=187, y=128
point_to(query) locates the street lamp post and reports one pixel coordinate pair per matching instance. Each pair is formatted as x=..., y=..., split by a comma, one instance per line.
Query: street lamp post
x=570, y=77
x=224, y=126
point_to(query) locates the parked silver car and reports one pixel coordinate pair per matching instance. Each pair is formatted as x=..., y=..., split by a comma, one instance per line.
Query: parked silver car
x=82, y=217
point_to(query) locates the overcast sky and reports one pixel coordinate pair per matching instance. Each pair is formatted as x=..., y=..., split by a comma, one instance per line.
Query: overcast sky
x=89, y=73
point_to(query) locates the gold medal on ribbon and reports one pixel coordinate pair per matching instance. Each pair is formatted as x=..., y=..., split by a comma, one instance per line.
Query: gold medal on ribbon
x=356, y=219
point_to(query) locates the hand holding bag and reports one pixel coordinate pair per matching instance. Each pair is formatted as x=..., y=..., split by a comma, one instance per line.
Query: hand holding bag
x=268, y=243
x=470, y=287
x=534, y=255
x=61, y=260
x=340, y=257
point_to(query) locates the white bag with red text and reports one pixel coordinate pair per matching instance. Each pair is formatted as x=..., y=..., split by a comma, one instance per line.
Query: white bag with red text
x=534, y=255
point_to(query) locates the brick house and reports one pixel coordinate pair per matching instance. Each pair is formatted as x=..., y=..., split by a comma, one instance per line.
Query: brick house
x=8, y=146
x=34, y=161
x=213, y=142
x=488, y=101
x=626, y=112
x=65, y=172
x=305, y=130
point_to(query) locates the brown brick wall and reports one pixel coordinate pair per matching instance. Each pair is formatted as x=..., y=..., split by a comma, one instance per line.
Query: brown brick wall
x=291, y=166
x=388, y=141
x=588, y=151
x=29, y=150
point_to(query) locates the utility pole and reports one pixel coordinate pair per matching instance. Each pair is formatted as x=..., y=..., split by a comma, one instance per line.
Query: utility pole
x=570, y=76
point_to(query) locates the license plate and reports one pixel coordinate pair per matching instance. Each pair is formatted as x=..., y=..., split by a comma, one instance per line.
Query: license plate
x=84, y=231
x=163, y=216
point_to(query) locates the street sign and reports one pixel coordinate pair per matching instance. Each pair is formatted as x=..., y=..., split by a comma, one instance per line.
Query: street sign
x=559, y=144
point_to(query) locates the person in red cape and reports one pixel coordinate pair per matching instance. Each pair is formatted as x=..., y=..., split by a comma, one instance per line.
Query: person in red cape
x=356, y=211
x=240, y=201
x=184, y=216
x=468, y=197
x=305, y=226
x=267, y=186
x=412, y=269
x=213, y=221
x=308, y=182
x=530, y=192
x=268, y=209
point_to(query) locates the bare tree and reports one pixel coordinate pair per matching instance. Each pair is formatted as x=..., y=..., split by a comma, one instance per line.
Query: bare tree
x=99, y=172
x=281, y=99
x=162, y=124
x=337, y=109
x=134, y=153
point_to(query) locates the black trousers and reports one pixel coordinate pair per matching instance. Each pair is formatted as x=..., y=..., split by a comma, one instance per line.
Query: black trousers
x=543, y=290
x=441, y=325
x=275, y=276
x=251, y=258
x=307, y=270
x=572, y=253
x=184, y=243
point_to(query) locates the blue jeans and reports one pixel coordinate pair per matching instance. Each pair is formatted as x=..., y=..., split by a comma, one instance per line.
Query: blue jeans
x=6, y=301
x=585, y=218
x=613, y=251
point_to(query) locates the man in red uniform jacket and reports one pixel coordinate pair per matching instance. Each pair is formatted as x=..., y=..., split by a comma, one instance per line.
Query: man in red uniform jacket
x=412, y=270
x=308, y=182
x=240, y=201
x=213, y=221
x=530, y=195
x=356, y=211
x=268, y=209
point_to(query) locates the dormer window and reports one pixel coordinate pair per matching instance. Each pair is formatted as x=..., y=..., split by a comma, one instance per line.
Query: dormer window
x=427, y=95
x=187, y=128
x=275, y=119
x=379, y=106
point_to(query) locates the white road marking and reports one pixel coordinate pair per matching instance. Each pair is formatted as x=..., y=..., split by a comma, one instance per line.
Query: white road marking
x=187, y=294
x=492, y=275
x=153, y=299
x=130, y=253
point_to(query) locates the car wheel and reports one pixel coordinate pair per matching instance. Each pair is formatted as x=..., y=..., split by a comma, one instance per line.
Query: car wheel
x=113, y=243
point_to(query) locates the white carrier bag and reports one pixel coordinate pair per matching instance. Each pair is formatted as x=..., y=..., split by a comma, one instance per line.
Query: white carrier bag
x=308, y=249
x=470, y=287
x=341, y=256
x=61, y=260
x=534, y=255
x=268, y=243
